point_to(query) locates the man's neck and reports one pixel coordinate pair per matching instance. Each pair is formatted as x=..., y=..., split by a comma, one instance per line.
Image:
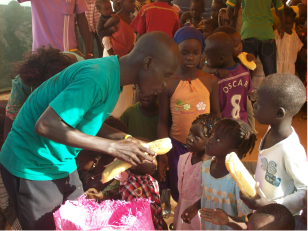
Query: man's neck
x=128, y=70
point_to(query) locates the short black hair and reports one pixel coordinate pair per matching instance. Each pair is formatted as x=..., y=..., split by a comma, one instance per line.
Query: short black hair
x=243, y=135
x=226, y=29
x=98, y=3
x=198, y=1
x=212, y=22
x=116, y=123
x=207, y=121
x=289, y=12
x=220, y=2
x=283, y=218
x=286, y=91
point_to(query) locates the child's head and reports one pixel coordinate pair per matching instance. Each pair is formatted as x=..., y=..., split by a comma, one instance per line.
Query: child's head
x=219, y=49
x=146, y=167
x=230, y=135
x=289, y=16
x=209, y=26
x=302, y=12
x=196, y=8
x=128, y=5
x=216, y=6
x=191, y=44
x=147, y=101
x=200, y=131
x=104, y=7
x=116, y=123
x=279, y=97
x=41, y=65
x=236, y=37
x=155, y=57
x=271, y=217
x=90, y=161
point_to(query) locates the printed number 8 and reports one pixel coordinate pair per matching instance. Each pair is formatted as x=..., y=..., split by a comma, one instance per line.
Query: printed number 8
x=235, y=101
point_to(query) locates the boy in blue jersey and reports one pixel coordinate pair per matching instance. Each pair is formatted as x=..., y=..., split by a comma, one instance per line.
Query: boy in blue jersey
x=63, y=116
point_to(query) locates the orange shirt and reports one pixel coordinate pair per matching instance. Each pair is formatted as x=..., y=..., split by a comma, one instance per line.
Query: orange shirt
x=186, y=104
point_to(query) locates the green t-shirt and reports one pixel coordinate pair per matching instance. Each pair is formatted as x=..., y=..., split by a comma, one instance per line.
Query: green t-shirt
x=257, y=18
x=83, y=95
x=139, y=125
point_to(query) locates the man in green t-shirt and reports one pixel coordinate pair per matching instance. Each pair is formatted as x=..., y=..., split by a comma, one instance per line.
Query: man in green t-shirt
x=257, y=31
x=63, y=116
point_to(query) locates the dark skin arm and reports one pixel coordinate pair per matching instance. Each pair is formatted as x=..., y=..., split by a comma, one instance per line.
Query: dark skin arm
x=214, y=97
x=220, y=217
x=230, y=12
x=189, y=213
x=52, y=127
x=282, y=23
x=83, y=26
x=235, y=15
x=162, y=128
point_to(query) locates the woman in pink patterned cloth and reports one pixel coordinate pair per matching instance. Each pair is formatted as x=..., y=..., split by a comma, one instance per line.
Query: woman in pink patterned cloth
x=189, y=174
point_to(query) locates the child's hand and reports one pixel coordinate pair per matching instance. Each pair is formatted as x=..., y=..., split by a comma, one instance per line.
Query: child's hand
x=215, y=216
x=223, y=73
x=250, y=57
x=257, y=201
x=92, y=193
x=114, y=29
x=189, y=213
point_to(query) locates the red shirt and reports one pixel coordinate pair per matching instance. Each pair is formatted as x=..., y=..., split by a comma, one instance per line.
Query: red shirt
x=157, y=16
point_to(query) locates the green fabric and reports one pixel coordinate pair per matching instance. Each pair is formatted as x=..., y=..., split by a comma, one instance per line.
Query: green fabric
x=83, y=95
x=138, y=125
x=257, y=18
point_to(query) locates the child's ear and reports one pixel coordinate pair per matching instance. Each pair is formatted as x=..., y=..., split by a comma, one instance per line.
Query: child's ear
x=147, y=62
x=281, y=112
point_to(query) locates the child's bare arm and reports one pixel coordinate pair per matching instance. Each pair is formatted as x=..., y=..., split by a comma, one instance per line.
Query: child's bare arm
x=220, y=217
x=214, y=97
x=162, y=129
x=221, y=73
x=112, y=22
x=102, y=31
x=189, y=213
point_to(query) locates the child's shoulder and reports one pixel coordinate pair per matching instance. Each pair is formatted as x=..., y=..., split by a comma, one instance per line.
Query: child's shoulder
x=207, y=79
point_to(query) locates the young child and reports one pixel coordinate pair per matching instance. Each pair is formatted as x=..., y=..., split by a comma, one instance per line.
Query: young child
x=220, y=190
x=189, y=182
x=282, y=168
x=215, y=8
x=188, y=93
x=157, y=16
x=138, y=183
x=209, y=26
x=141, y=118
x=105, y=9
x=124, y=38
x=92, y=164
x=234, y=89
x=288, y=46
x=270, y=217
x=194, y=16
x=223, y=18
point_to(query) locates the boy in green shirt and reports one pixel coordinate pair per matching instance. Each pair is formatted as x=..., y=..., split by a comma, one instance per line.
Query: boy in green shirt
x=141, y=118
x=257, y=30
x=64, y=115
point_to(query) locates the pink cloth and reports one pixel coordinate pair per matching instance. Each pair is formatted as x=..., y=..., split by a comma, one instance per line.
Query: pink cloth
x=190, y=191
x=92, y=15
x=53, y=22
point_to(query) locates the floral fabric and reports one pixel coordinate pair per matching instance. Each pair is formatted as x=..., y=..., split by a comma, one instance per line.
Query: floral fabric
x=220, y=193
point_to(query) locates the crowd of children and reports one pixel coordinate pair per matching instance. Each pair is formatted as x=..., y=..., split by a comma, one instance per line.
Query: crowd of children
x=193, y=89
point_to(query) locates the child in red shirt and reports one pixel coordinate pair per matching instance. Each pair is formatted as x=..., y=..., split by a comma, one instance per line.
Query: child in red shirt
x=157, y=16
